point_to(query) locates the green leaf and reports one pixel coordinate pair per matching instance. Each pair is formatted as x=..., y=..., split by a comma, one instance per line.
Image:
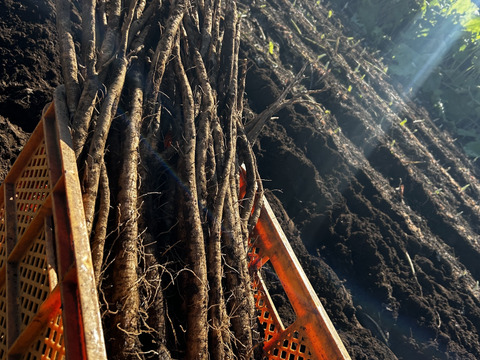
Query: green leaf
x=270, y=47
x=330, y=13
x=462, y=7
x=464, y=188
x=424, y=7
x=403, y=122
x=473, y=26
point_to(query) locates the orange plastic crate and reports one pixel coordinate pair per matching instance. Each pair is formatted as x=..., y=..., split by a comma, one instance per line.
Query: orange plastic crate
x=46, y=275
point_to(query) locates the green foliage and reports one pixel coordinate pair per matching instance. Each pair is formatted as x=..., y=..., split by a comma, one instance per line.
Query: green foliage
x=473, y=26
x=433, y=49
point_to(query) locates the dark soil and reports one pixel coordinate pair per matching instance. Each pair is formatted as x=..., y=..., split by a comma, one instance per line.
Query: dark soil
x=29, y=69
x=395, y=269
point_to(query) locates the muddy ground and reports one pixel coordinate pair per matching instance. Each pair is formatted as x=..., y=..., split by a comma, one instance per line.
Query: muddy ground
x=383, y=214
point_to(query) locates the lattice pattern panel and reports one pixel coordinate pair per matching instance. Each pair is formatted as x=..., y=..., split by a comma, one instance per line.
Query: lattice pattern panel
x=290, y=347
x=253, y=254
x=49, y=344
x=32, y=188
x=36, y=349
x=279, y=343
x=266, y=318
x=2, y=236
x=254, y=257
x=54, y=344
x=34, y=287
x=3, y=324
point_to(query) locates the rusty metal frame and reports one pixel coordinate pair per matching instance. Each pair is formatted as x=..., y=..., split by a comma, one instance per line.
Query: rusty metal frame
x=312, y=335
x=58, y=215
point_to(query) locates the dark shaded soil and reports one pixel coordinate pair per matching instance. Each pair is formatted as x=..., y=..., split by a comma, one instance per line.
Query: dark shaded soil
x=29, y=68
x=396, y=270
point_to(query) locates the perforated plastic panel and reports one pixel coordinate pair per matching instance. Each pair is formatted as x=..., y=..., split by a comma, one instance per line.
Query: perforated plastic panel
x=33, y=280
x=32, y=188
x=267, y=315
x=54, y=344
x=290, y=346
x=49, y=344
x=26, y=273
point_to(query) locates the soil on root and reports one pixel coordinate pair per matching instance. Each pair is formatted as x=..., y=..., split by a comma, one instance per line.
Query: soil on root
x=378, y=212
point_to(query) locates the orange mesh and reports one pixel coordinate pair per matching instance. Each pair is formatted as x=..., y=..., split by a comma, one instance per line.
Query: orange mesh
x=282, y=344
x=290, y=346
x=32, y=188
x=54, y=345
x=256, y=260
x=49, y=344
x=34, y=287
x=267, y=315
x=35, y=351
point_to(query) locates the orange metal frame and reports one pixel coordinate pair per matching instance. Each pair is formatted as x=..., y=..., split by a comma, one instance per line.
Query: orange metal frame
x=48, y=298
x=312, y=335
